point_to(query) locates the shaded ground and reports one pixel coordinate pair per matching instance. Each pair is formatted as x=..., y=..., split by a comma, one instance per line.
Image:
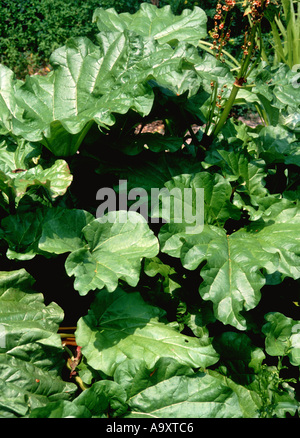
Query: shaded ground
x=251, y=120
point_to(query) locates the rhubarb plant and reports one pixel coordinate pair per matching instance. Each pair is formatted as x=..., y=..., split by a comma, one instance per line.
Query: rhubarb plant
x=151, y=274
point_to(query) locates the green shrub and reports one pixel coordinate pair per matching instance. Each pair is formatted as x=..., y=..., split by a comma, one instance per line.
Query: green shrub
x=30, y=30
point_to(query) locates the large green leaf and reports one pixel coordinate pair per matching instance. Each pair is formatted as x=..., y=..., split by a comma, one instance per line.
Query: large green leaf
x=187, y=201
x=116, y=244
x=240, y=357
x=22, y=233
x=30, y=348
x=46, y=231
x=8, y=105
x=18, y=154
x=232, y=276
x=279, y=145
x=247, y=175
x=89, y=84
x=170, y=390
x=282, y=336
x=102, y=251
x=121, y=326
x=159, y=23
x=155, y=171
x=102, y=399
x=186, y=397
x=19, y=170
x=62, y=230
x=273, y=91
x=56, y=179
x=61, y=409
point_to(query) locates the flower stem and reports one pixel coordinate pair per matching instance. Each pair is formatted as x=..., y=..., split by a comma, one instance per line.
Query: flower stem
x=240, y=79
x=226, y=110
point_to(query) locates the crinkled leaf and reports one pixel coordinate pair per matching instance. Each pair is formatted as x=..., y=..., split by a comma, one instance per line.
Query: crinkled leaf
x=8, y=105
x=47, y=230
x=278, y=144
x=17, y=154
x=19, y=171
x=282, y=336
x=122, y=326
x=25, y=386
x=230, y=280
x=249, y=174
x=210, y=69
x=103, y=398
x=30, y=348
x=168, y=391
x=56, y=179
x=102, y=250
x=274, y=91
x=278, y=398
x=158, y=23
x=22, y=233
x=61, y=409
x=116, y=244
x=239, y=356
x=286, y=94
x=62, y=230
x=232, y=276
x=154, y=267
x=88, y=84
x=187, y=202
x=154, y=172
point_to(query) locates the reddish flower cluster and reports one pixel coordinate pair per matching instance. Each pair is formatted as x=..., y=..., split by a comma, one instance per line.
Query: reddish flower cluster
x=220, y=97
x=256, y=9
x=221, y=32
x=230, y=3
x=220, y=35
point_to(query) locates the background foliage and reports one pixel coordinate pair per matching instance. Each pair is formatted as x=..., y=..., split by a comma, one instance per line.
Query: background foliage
x=30, y=30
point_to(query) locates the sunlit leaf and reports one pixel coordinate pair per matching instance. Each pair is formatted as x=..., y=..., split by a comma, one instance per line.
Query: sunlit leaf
x=122, y=326
x=30, y=348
